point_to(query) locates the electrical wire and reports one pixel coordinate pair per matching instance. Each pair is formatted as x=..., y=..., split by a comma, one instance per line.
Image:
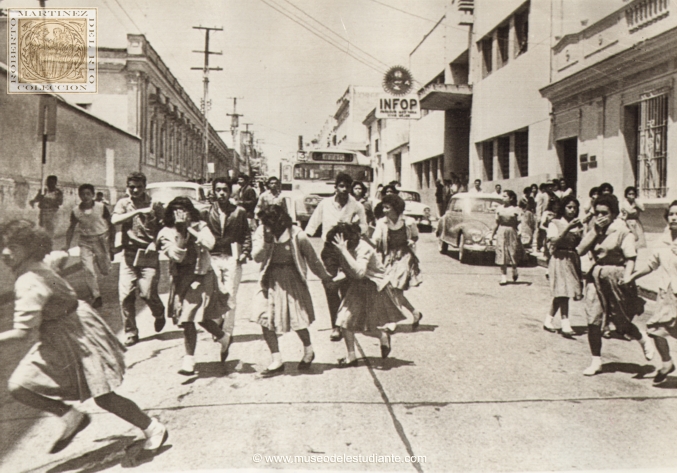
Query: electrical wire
x=129, y=16
x=404, y=11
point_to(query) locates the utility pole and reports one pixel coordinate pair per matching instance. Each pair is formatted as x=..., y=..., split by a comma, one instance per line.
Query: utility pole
x=235, y=117
x=205, y=80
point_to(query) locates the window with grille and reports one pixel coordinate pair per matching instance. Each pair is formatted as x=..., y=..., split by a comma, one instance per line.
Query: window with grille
x=488, y=159
x=522, y=152
x=652, y=149
x=504, y=157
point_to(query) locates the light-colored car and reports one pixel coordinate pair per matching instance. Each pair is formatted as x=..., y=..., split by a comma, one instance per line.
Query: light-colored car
x=468, y=224
x=165, y=192
x=416, y=209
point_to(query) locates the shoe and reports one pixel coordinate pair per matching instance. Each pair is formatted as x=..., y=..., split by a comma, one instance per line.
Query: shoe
x=416, y=321
x=97, y=303
x=132, y=339
x=594, y=368
x=515, y=276
x=71, y=431
x=160, y=324
x=567, y=331
x=663, y=374
x=503, y=281
x=548, y=326
x=385, y=349
x=274, y=372
x=224, y=354
x=344, y=363
x=224, y=349
x=156, y=435
x=336, y=335
x=188, y=366
x=304, y=365
x=606, y=333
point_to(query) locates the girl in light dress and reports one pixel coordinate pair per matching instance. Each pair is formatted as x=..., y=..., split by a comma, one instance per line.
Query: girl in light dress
x=283, y=302
x=186, y=241
x=508, y=245
x=564, y=268
x=395, y=239
x=77, y=356
x=369, y=304
x=663, y=322
x=630, y=210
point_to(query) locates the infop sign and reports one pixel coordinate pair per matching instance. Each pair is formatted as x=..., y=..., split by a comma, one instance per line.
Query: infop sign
x=404, y=106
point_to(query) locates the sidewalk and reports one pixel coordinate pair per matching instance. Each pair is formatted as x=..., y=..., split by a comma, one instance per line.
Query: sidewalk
x=648, y=285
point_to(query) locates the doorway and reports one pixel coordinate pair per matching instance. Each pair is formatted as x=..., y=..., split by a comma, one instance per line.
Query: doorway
x=567, y=151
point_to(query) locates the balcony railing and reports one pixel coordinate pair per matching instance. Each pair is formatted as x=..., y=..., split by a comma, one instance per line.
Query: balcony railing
x=645, y=13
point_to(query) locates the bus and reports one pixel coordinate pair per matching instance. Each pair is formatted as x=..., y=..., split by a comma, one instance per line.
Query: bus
x=312, y=177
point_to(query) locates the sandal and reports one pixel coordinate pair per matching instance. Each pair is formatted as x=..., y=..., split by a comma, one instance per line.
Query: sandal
x=344, y=363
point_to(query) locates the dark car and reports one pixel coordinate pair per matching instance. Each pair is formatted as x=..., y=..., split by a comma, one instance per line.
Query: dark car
x=468, y=224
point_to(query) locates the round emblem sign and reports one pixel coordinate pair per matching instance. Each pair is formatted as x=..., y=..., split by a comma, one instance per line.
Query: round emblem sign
x=398, y=81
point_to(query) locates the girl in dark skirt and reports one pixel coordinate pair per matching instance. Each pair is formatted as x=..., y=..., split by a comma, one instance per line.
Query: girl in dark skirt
x=663, y=322
x=508, y=245
x=76, y=356
x=369, y=303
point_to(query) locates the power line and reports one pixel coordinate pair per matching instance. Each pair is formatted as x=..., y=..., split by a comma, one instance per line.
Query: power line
x=128, y=16
x=333, y=32
x=404, y=11
x=332, y=42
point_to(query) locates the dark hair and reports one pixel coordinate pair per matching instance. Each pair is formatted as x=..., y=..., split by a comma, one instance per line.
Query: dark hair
x=566, y=201
x=610, y=201
x=630, y=188
x=52, y=178
x=137, y=176
x=275, y=217
x=512, y=196
x=391, y=188
x=605, y=186
x=186, y=204
x=395, y=202
x=84, y=187
x=351, y=233
x=24, y=233
x=553, y=203
x=543, y=187
x=667, y=211
x=344, y=178
x=244, y=176
x=99, y=194
x=526, y=190
x=222, y=180
x=594, y=190
x=362, y=185
x=271, y=179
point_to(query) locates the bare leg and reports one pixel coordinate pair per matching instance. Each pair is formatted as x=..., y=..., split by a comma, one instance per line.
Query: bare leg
x=271, y=340
x=124, y=408
x=349, y=338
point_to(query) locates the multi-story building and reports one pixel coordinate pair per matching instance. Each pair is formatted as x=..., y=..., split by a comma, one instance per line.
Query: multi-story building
x=613, y=100
x=387, y=143
x=349, y=131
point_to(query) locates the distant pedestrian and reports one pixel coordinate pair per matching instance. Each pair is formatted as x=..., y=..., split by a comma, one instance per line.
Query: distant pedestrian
x=527, y=227
x=630, y=208
x=378, y=208
x=93, y=221
x=663, y=322
x=549, y=214
x=395, y=239
x=508, y=245
x=477, y=187
x=283, y=301
x=49, y=200
x=76, y=357
x=272, y=196
x=141, y=220
x=440, y=196
x=100, y=198
x=247, y=198
x=564, y=268
x=369, y=304
x=498, y=190
x=562, y=189
x=606, y=296
x=186, y=241
x=360, y=192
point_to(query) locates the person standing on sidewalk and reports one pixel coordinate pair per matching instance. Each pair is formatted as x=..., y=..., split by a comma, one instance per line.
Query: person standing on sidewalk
x=186, y=240
x=631, y=207
x=612, y=246
x=49, y=200
x=246, y=198
x=272, y=196
x=93, y=221
x=564, y=268
x=76, y=357
x=232, y=247
x=283, y=301
x=663, y=322
x=141, y=220
x=340, y=208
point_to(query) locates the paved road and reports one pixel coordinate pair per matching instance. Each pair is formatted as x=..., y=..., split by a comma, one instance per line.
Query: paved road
x=480, y=386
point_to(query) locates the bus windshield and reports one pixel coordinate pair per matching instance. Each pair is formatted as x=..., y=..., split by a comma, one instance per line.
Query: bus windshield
x=328, y=172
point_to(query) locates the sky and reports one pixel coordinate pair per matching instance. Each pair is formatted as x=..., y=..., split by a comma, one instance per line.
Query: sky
x=287, y=80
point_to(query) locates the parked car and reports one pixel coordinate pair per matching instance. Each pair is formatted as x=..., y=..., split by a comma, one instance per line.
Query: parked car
x=468, y=224
x=417, y=210
x=165, y=192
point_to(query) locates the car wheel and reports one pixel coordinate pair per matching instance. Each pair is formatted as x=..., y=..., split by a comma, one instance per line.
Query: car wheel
x=443, y=246
x=463, y=254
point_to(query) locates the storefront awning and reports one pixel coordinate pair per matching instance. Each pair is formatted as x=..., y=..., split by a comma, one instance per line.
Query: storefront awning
x=446, y=97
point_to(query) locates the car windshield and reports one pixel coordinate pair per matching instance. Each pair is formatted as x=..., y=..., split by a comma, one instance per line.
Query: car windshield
x=487, y=206
x=167, y=194
x=410, y=196
x=328, y=172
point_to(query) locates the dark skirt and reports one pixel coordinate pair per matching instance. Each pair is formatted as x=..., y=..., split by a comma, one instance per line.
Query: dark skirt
x=365, y=308
x=285, y=304
x=606, y=299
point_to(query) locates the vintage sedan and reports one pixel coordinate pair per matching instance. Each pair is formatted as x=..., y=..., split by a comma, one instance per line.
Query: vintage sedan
x=417, y=210
x=468, y=224
x=165, y=192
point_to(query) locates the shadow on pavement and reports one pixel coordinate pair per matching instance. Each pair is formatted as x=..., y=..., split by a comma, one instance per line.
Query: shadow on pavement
x=125, y=451
x=631, y=368
x=669, y=383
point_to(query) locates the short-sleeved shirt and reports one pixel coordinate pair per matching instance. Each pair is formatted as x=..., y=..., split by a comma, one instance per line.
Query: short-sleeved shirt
x=665, y=258
x=142, y=229
x=614, y=247
x=329, y=213
x=507, y=216
x=570, y=241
